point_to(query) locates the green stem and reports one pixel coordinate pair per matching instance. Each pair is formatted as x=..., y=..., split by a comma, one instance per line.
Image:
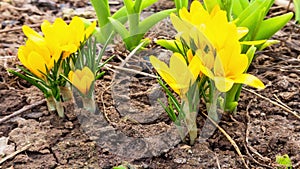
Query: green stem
x=213, y=105
x=190, y=120
x=89, y=103
x=51, y=103
x=60, y=109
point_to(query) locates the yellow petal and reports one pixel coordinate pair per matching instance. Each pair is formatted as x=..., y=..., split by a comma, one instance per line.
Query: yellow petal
x=78, y=83
x=242, y=31
x=223, y=84
x=206, y=71
x=33, y=35
x=86, y=82
x=88, y=73
x=89, y=31
x=70, y=75
x=164, y=71
x=37, y=64
x=249, y=80
x=255, y=42
x=194, y=66
x=23, y=56
x=76, y=28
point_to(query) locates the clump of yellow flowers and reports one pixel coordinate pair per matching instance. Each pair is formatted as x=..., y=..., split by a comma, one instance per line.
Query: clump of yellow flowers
x=51, y=56
x=210, y=57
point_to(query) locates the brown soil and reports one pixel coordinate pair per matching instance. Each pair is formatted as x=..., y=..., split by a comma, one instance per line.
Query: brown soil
x=130, y=127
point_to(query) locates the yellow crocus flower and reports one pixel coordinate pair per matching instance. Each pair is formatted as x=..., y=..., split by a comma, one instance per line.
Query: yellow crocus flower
x=214, y=25
x=179, y=76
x=229, y=68
x=216, y=43
x=61, y=37
x=35, y=57
x=82, y=79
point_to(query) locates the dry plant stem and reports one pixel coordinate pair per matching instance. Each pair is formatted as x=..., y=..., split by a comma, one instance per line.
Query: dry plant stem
x=129, y=70
x=273, y=102
x=131, y=54
x=103, y=104
x=25, y=108
x=217, y=160
x=286, y=4
x=15, y=153
x=229, y=139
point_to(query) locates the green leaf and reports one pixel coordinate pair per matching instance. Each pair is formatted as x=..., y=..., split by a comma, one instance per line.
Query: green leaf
x=32, y=81
x=284, y=160
x=270, y=26
x=121, y=15
x=181, y=4
x=147, y=3
x=210, y=4
x=120, y=167
x=170, y=44
x=137, y=6
x=297, y=9
x=150, y=21
x=129, y=4
x=102, y=11
x=253, y=23
x=268, y=43
x=238, y=7
x=250, y=54
x=252, y=11
x=119, y=27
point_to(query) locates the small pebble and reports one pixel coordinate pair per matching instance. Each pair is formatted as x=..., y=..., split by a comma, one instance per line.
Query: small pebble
x=69, y=125
x=180, y=160
x=34, y=115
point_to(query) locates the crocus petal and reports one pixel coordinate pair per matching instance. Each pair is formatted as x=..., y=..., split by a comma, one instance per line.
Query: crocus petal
x=255, y=42
x=223, y=84
x=22, y=56
x=89, y=31
x=164, y=71
x=249, y=80
x=242, y=31
x=206, y=71
x=194, y=66
x=37, y=64
x=33, y=35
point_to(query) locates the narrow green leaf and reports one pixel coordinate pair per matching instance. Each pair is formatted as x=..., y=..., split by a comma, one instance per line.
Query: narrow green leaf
x=169, y=44
x=137, y=6
x=32, y=81
x=102, y=11
x=252, y=10
x=150, y=21
x=238, y=7
x=250, y=54
x=129, y=4
x=297, y=9
x=119, y=27
x=268, y=43
x=253, y=22
x=181, y=4
x=270, y=26
x=147, y=3
x=210, y=4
